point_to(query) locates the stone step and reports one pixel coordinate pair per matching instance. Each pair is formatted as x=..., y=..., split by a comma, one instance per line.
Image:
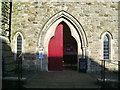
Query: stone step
x=111, y=83
x=13, y=82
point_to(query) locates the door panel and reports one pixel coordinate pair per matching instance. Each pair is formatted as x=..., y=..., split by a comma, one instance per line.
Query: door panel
x=55, y=50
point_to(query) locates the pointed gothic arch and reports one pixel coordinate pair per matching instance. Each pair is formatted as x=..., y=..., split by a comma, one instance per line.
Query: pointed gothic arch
x=63, y=16
x=76, y=29
x=110, y=37
x=17, y=35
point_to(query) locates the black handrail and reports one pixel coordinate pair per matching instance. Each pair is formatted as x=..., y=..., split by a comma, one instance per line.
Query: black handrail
x=103, y=73
x=119, y=74
x=19, y=71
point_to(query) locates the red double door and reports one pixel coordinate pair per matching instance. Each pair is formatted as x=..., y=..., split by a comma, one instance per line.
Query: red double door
x=55, y=50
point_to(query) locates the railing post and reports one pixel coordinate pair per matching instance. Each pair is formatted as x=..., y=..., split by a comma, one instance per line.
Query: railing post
x=19, y=70
x=103, y=73
x=119, y=74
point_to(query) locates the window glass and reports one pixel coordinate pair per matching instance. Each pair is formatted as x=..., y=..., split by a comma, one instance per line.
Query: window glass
x=19, y=45
x=106, y=47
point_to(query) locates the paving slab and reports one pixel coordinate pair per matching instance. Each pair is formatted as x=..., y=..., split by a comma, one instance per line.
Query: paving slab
x=61, y=79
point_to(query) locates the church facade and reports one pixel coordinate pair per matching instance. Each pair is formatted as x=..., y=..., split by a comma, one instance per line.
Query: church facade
x=54, y=36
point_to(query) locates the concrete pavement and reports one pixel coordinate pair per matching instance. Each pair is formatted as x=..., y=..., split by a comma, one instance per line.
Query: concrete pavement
x=61, y=79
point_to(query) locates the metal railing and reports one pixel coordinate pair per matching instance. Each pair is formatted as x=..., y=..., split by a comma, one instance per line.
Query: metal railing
x=32, y=65
x=103, y=74
x=119, y=74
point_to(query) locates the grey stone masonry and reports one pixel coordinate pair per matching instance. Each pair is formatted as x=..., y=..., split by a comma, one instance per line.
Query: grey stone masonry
x=96, y=18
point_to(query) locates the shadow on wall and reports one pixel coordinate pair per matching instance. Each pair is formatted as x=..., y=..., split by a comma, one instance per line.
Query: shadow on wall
x=8, y=63
x=31, y=62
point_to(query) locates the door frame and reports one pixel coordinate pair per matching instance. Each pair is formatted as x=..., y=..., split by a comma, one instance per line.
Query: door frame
x=76, y=29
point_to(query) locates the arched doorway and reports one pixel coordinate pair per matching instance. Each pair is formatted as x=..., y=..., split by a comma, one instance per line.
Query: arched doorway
x=70, y=49
x=77, y=33
x=62, y=49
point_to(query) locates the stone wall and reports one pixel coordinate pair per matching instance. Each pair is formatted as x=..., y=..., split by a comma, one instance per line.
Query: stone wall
x=96, y=18
x=7, y=58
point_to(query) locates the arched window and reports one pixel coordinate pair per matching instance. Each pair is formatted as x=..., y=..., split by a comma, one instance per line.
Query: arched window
x=19, y=45
x=106, y=47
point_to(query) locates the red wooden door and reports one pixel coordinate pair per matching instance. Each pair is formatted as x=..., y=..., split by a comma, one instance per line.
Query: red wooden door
x=55, y=50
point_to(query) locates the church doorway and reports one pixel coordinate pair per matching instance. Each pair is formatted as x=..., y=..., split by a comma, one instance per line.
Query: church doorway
x=62, y=49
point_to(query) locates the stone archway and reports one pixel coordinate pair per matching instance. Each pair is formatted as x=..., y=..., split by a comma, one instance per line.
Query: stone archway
x=76, y=29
